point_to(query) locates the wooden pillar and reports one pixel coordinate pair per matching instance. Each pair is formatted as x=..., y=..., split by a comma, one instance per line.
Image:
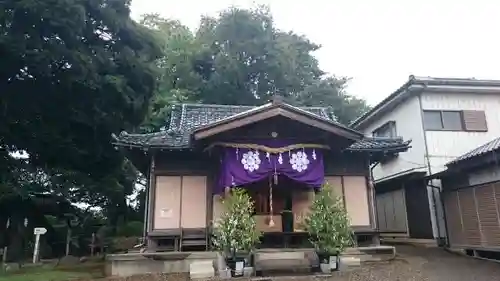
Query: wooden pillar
x=151, y=244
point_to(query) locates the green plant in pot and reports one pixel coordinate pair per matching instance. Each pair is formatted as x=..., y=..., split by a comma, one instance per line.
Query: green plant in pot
x=329, y=228
x=235, y=233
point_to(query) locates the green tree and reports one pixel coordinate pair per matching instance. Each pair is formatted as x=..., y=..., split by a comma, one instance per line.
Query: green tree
x=72, y=73
x=178, y=80
x=240, y=57
x=248, y=59
x=331, y=92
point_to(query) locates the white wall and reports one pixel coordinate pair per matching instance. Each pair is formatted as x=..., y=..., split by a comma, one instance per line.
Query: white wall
x=445, y=146
x=442, y=146
x=408, y=126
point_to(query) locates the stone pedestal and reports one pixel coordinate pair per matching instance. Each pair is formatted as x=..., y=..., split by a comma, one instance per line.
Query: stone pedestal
x=201, y=270
x=349, y=263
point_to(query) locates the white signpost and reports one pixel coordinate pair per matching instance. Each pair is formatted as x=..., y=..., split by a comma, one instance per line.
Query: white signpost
x=37, y=231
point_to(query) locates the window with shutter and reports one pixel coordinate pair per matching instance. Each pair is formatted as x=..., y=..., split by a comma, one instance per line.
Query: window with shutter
x=475, y=121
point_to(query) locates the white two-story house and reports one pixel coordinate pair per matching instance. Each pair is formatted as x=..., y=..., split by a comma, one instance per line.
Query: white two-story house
x=444, y=118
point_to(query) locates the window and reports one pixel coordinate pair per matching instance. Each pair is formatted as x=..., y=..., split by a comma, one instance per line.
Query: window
x=432, y=120
x=443, y=120
x=468, y=120
x=452, y=120
x=388, y=130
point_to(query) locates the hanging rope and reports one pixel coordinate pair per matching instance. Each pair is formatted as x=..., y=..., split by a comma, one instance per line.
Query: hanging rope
x=267, y=148
x=271, y=221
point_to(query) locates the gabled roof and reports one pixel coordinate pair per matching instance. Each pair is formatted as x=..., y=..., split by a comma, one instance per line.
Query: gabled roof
x=491, y=146
x=278, y=108
x=187, y=118
x=415, y=85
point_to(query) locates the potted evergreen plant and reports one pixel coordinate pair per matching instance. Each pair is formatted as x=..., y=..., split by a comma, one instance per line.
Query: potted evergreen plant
x=236, y=234
x=329, y=228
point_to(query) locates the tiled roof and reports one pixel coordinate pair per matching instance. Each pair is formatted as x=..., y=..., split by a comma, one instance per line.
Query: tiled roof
x=186, y=118
x=418, y=82
x=379, y=143
x=481, y=150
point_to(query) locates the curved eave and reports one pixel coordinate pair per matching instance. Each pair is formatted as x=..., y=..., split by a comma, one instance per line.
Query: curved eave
x=369, y=145
x=162, y=140
x=146, y=147
x=388, y=149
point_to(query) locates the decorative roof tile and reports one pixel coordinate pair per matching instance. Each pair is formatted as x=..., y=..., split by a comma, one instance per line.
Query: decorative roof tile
x=481, y=150
x=186, y=118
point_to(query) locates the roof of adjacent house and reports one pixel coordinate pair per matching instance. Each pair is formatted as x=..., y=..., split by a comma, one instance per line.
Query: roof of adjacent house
x=412, y=86
x=491, y=146
x=187, y=118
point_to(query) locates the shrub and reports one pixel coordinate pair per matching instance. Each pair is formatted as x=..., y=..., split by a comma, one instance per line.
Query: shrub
x=236, y=230
x=328, y=223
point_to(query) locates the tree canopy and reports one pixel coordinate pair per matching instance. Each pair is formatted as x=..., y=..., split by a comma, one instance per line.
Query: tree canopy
x=240, y=57
x=72, y=74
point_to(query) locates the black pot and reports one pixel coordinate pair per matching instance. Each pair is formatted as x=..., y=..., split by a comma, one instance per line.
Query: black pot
x=231, y=263
x=327, y=258
x=249, y=262
x=323, y=257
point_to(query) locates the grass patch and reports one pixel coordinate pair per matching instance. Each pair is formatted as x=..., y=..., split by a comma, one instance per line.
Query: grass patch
x=60, y=273
x=45, y=275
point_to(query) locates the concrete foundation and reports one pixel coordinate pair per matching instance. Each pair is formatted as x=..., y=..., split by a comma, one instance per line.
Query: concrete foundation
x=207, y=264
x=427, y=243
x=168, y=262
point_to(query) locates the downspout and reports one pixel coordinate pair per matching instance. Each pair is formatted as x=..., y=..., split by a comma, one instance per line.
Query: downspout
x=447, y=245
x=374, y=202
x=429, y=170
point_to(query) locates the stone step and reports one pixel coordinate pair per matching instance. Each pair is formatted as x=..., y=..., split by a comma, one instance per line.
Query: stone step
x=201, y=269
x=201, y=275
x=350, y=262
x=281, y=260
x=208, y=263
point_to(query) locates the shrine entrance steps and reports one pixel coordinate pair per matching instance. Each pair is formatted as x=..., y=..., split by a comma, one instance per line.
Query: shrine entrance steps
x=302, y=261
x=267, y=262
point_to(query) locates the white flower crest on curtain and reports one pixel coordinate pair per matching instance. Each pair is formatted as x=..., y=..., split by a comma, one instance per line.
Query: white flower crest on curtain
x=299, y=161
x=250, y=161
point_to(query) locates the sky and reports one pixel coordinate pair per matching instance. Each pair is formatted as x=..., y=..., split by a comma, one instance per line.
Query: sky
x=376, y=43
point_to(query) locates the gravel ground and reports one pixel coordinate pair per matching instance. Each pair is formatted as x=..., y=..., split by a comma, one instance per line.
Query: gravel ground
x=411, y=263
x=430, y=264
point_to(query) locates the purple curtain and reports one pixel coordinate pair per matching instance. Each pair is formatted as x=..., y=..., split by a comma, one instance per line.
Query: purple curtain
x=241, y=166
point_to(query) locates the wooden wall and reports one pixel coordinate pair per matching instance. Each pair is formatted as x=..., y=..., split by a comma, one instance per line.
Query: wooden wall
x=184, y=179
x=345, y=164
x=472, y=216
x=180, y=202
x=391, y=211
x=355, y=195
